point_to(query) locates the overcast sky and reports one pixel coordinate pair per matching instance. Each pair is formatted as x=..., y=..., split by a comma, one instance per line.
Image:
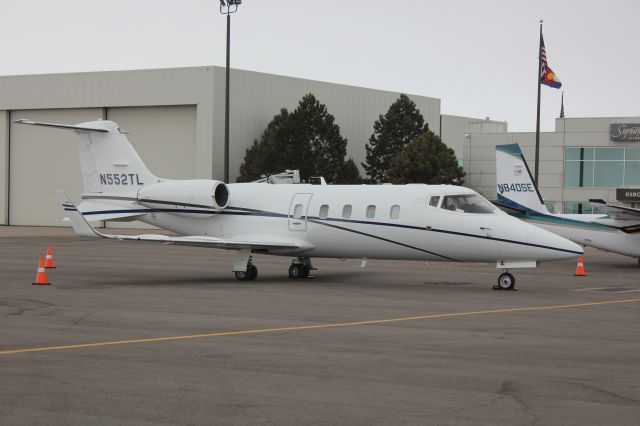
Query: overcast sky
x=479, y=57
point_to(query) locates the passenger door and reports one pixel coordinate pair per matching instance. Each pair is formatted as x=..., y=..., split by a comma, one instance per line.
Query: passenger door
x=298, y=212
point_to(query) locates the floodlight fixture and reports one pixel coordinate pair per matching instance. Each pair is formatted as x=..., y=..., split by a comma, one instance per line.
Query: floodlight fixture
x=229, y=6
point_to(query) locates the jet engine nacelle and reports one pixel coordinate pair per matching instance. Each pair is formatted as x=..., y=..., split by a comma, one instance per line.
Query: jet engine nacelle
x=192, y=196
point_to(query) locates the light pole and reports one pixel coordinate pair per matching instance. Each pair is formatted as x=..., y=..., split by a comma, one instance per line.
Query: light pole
x=227, y=7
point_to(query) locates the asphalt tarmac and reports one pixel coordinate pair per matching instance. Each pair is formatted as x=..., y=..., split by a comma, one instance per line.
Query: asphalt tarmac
x=138, y=333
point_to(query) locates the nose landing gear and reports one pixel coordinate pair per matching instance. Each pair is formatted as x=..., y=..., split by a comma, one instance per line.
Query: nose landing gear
x=506, y=281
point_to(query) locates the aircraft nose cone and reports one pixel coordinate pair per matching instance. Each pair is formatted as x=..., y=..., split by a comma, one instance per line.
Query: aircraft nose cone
x=546, y=245
x=562, y=247
x=574, y=247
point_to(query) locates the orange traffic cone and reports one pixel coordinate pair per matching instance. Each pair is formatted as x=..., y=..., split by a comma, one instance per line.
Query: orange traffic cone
x=41, y=276
x=48, y=261
x=580, y=268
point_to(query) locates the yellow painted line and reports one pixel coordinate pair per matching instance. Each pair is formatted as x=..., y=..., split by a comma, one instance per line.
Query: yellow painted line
x=314, y=327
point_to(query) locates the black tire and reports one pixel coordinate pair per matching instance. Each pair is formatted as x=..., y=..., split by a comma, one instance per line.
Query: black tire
x=296, y=271
x=252, y=272
x=506, y=281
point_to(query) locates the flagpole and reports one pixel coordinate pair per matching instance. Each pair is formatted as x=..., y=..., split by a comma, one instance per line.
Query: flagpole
x=535, y=182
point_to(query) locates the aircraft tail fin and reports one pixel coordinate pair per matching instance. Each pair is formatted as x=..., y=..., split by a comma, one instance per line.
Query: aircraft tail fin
x=109, y=163
x=515, y=186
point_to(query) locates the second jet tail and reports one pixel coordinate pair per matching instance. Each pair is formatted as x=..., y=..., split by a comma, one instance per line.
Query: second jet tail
x=515, y=186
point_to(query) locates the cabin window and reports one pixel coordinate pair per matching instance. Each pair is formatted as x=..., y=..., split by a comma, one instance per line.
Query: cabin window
x=433, y=202
x=371, y=211
x=297, y=211
x=346, y=211
x=395, y=211
x=324, y=211
x=467, y=203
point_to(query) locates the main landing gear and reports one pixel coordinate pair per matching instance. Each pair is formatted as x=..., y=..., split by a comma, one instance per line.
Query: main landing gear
x=250, y=274
x=300, y=268
x=506, y=281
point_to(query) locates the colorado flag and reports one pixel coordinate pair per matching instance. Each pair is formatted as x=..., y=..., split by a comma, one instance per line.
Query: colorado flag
x=547, y=76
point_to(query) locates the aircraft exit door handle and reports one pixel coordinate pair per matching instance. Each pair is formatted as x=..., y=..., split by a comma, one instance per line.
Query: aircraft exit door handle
x=484, y=228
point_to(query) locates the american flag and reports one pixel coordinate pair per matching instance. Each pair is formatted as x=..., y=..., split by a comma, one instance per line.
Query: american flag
x=547, y=76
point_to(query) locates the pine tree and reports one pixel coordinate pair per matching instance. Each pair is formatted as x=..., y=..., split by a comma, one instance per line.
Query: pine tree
x=306, y=139
x=426, y=159
x=349, y=174
x=392, y=132
x=258, y=158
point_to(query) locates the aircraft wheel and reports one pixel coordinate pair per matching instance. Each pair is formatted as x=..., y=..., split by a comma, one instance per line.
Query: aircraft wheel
x=506, y=281
x=296, y=271
x=252, y=272
x=241, y=275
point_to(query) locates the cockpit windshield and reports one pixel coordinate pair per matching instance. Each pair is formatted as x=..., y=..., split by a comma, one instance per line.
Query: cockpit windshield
x=467, y=203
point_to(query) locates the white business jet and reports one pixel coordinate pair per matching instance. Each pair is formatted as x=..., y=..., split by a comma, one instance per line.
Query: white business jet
x=410, y=222
x=617, y=231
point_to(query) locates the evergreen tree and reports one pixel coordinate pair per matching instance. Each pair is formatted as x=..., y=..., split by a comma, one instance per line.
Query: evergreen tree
x=260, y=156
x=349, y=174
x=392, y=132
x=306, y=139
x=426, y=159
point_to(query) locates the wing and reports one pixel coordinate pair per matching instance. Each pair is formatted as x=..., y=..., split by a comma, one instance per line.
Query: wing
x=82, y=227
x=616, y=211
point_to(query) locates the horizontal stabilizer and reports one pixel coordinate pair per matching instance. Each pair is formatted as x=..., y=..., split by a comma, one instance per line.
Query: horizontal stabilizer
x=62, y=126
x=509, y=209
x=616, y=211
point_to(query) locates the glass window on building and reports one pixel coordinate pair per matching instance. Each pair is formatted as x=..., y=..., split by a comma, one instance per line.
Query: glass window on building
x=578, y=154
x=608, y=167
x=632, y=173
x=608, y=174
x=578, y=174
x=632, y=154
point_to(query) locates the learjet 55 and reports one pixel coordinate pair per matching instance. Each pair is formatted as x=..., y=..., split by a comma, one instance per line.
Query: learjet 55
x=408, y=222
